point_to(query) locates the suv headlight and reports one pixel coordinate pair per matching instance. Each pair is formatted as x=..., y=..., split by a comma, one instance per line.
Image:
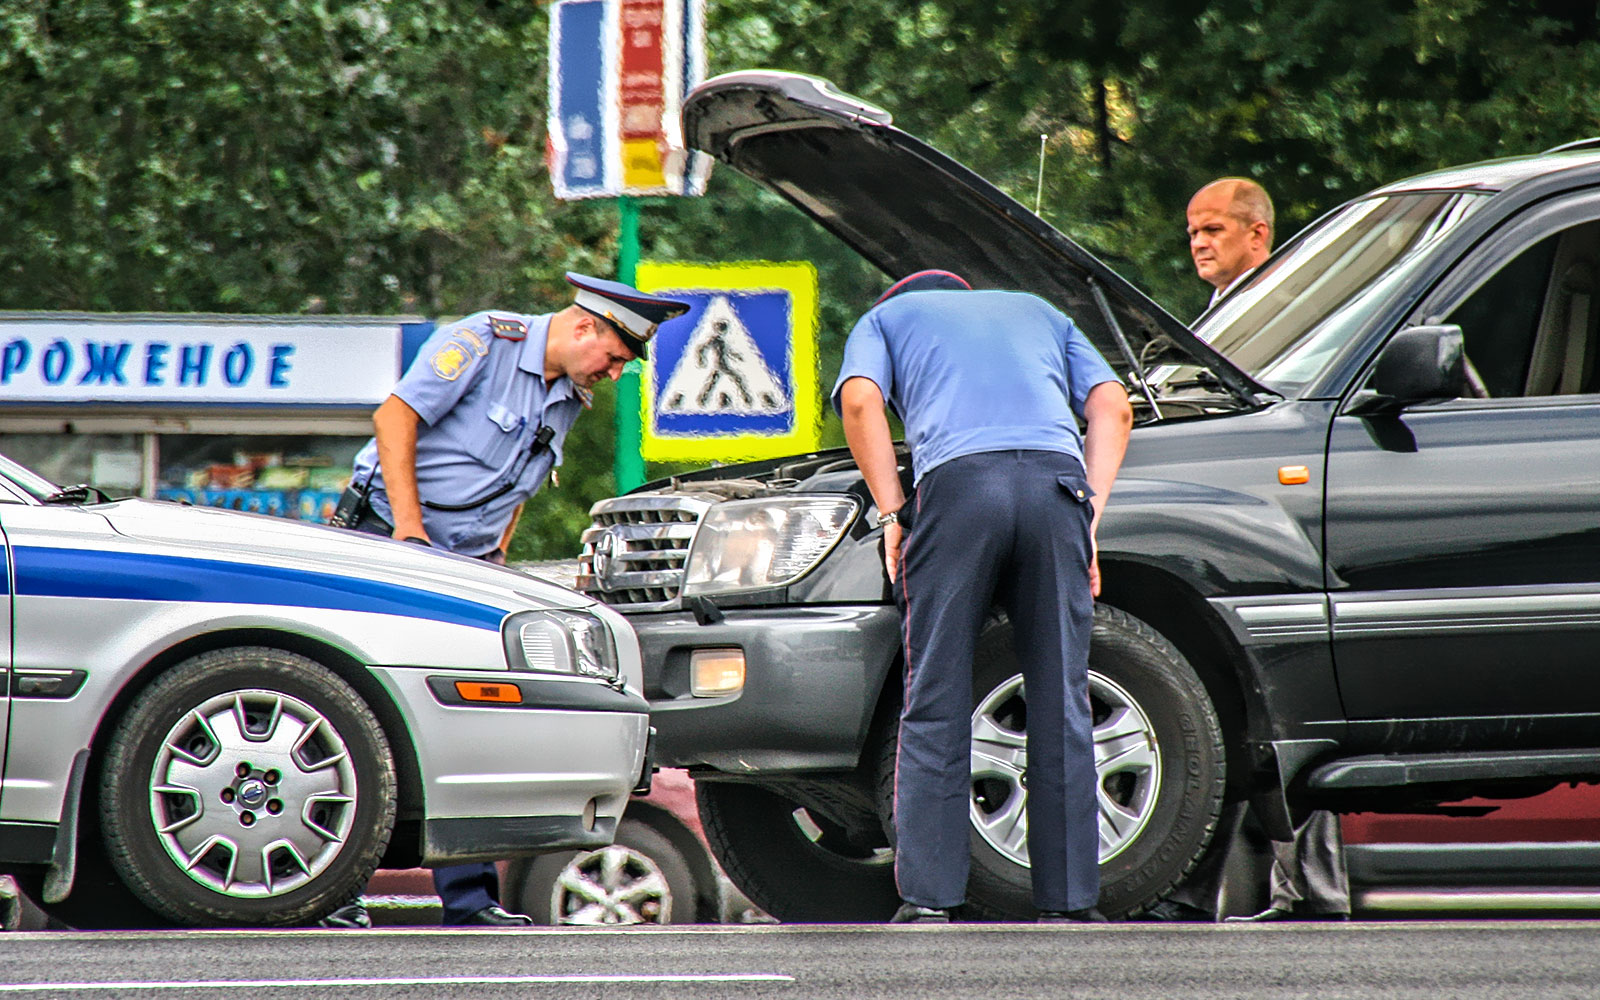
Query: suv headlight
x=762, y=543
x=561, y=642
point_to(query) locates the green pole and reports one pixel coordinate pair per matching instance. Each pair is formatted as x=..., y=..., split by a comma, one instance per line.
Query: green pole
x=628, y=465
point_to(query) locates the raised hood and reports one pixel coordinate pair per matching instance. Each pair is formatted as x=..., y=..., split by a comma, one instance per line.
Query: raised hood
x=905, y=206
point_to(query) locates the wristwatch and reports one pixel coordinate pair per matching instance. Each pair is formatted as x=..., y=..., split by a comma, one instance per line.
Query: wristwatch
x=893, y=517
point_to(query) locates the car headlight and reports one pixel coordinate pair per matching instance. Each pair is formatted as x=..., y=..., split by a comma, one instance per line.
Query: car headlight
x=761, y=543
x=561, y=642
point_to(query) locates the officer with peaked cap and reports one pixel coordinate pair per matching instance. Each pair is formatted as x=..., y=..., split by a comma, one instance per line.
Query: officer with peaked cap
x=471, y=432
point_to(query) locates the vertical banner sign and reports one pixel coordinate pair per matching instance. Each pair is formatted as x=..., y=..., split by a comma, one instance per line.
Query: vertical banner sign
x=735, y=377
x=582, y=115
x=619, y=70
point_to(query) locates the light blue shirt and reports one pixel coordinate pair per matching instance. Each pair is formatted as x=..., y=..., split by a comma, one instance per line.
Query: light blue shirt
x=482, y=398
x=976, y=371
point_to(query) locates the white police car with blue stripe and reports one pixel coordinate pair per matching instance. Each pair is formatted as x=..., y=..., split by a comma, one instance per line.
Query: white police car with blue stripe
x=213, y=718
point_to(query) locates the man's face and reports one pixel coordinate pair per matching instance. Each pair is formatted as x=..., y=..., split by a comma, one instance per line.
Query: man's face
x=597, y=353
x=1222, y=245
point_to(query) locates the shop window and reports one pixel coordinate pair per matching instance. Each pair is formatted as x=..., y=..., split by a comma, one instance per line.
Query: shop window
x=113, y=462
x=285, y=476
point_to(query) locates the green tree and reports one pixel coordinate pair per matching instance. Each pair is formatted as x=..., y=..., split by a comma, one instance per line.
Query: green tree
x=386, y=156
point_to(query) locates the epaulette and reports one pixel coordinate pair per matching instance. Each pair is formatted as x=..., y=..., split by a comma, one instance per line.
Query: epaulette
x=508, y=329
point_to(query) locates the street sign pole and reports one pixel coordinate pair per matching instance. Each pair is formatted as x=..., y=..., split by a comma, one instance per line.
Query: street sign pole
x=627, y=465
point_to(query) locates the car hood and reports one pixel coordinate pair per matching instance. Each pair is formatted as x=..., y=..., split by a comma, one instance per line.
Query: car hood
x=905, y=206
x=232, y=536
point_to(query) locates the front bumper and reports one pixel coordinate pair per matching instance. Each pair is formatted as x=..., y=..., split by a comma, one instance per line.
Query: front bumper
x=812, y=679
x=500, y=782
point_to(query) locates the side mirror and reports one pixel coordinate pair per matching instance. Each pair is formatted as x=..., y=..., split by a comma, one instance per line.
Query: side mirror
x=1418, y=364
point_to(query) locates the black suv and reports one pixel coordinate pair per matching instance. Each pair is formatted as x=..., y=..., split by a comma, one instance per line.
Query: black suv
x=1352, y=560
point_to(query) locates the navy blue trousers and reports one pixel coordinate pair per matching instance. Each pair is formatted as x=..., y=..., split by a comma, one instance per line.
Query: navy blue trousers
x=1013, y=528
x=464, y=889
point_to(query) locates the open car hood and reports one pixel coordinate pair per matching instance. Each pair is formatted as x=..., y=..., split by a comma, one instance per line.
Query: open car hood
x=905, y=206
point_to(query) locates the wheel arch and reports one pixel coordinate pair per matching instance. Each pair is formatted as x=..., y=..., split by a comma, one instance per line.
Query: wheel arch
x=1171, y=607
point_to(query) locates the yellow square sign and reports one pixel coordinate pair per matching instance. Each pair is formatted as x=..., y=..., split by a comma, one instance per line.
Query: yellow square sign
x=736, y=377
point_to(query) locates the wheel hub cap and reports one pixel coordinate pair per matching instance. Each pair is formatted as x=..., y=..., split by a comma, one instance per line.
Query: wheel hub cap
x=1127, y=763
x=253, y=793
x=613, y=885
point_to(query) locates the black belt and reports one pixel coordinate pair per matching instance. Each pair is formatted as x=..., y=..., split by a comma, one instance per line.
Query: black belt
x=541, y=441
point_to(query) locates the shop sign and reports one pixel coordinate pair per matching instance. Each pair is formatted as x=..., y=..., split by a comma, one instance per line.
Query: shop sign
x=175, y=360
x=735, y=377
x=619, y=70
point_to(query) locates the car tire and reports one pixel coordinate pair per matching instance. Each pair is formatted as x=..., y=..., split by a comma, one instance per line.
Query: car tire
x=796, y=866
x=1160, y=792
x=641, y=878
x=247, y=787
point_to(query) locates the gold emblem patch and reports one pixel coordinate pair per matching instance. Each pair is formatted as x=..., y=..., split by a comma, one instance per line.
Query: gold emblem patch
x=450, y=361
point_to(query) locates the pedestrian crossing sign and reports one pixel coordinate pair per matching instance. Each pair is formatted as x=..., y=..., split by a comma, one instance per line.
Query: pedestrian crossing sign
x=735, y=378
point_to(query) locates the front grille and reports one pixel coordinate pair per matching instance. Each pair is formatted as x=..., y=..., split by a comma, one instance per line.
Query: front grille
x=642, y=543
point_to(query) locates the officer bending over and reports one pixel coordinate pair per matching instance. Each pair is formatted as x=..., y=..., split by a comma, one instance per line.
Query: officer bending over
x=990, y=386
x=471, y=432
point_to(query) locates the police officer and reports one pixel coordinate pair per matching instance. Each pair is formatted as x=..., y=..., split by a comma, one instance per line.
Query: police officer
x=471, y=432
x=989, y=385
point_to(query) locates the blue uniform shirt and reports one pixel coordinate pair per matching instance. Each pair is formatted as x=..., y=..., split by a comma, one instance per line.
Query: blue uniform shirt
x=975, y=371
x=482, y=398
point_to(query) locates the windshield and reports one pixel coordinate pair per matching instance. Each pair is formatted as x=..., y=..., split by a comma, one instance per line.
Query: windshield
x=1286, y=322
x=30, y=483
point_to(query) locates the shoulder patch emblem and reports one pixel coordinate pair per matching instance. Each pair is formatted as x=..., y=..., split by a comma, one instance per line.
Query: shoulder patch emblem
x=450, y=361
x=465, y=333
x=507, y=329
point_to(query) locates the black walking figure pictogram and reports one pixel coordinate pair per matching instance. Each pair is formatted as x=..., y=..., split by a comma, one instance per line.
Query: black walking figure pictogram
x=718, y=344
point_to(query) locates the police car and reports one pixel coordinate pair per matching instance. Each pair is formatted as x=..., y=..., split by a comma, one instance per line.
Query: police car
x=213, y=718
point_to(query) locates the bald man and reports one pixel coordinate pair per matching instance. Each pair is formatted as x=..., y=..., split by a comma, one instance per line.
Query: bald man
x=1230, y=232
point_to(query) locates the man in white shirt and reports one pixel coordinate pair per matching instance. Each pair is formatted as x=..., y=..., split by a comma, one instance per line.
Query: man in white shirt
x=1230, y=235
x=1230, y=232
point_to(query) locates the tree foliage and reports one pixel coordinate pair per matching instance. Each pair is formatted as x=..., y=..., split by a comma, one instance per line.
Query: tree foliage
x=386, y=156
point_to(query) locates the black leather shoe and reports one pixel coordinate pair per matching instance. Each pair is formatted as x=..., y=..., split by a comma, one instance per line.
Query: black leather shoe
x=494, y=916
x=351, y=916
x=1088, y=915
x=911, y=913
x=1169, y=911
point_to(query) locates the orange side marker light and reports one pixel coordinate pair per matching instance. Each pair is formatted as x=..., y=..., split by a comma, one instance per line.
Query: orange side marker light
x=501, y=693
x=1294, y=475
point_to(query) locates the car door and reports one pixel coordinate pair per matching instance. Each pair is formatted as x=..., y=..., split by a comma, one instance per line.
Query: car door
x=1463, y=537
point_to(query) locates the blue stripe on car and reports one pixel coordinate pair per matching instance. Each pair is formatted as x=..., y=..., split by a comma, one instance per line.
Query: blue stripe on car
x=138, y=576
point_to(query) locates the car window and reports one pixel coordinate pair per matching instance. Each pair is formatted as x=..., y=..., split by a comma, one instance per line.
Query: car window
x=1533, y=327
x=1313, y=296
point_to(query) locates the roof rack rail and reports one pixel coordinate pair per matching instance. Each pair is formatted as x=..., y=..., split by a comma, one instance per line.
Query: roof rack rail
x=1593, y=142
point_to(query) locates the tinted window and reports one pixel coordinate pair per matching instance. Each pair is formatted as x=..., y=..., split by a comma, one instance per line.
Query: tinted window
x=1499, y=320
x=1533, y=329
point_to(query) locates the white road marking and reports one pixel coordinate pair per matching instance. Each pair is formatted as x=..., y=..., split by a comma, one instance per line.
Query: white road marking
x=260, y=984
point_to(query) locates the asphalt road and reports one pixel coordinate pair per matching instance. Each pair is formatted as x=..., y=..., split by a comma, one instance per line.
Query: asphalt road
x=1365, y=961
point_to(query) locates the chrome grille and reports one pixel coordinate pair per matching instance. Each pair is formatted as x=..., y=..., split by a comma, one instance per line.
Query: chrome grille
x=634, y=552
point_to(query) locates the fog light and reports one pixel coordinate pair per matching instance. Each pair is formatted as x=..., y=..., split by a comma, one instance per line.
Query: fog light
x=716, y=672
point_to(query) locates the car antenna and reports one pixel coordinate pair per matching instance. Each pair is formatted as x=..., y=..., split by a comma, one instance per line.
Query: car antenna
x=1038, y=192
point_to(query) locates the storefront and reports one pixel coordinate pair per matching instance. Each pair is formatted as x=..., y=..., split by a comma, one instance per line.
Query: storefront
x=256, y=413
